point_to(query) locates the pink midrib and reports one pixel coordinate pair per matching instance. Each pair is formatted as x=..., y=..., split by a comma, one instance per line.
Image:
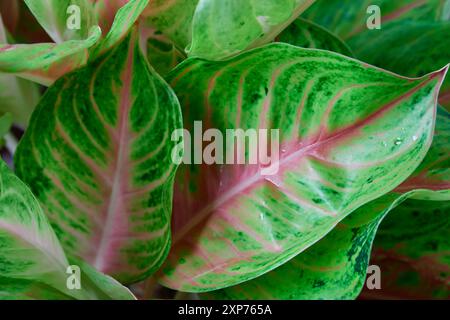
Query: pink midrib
x=116, y=202
x=308, y=149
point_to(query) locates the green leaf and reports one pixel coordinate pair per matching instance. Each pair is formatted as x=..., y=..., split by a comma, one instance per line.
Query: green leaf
x=335, y=267
x=55, y=16
x=97, y=155
x=412, y=248
x=32, y=262
x=391, y=49
x=348, y=18
x=433, y=174
x=124, y=19
x=215, y=30
x=45, y=62
x=161, y=52
x=344, y=129
x=306, y=34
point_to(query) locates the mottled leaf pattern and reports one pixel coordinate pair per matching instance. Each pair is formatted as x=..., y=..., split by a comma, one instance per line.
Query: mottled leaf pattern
x=231, y=223
x=32, y=263
x=45, y=62
x=335, y=267
x=303, y=33
x=97, y=155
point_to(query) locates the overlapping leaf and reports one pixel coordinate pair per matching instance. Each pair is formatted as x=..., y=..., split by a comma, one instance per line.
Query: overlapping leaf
x=46, y=62
x=303, y=33
x=412, y=249
x=348, y=18
x=412, y=39
x=32, y=263
x=409, y=48
x=335, y=267
x=97, y=155
x=215, y=30
x=344, y=129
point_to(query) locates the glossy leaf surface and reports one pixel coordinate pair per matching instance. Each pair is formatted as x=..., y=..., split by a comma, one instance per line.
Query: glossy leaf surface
x=32, y=263
x=324, y=105
x=97, y=155
x=335, y=267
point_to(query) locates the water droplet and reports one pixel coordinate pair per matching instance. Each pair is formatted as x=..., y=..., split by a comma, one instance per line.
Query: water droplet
x=414, y=138
x=283, y=150
x=384, y=144
x=398, y=141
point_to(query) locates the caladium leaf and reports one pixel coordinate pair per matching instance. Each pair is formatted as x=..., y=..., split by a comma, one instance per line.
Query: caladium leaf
x=341, y=140
x=412, y=249
x=59, y=18
x=335, y=267
x=45, y=62
x=348, y=18
x=388, y=49
x=33, y=264
x=97, y=155
x=306, y=34
x=244, y=24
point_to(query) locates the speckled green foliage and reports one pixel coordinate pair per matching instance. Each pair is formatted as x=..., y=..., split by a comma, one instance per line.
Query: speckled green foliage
x=433, y=174
x=347, y=18
x=97, y=155
x=412, y=248
x=412, y=41
x=344, y=129
x=46, y=62
x=32, y=262
x=306, y=34
x=41, y=62
x=215, y=30
x=409, y=48
x=335, y=267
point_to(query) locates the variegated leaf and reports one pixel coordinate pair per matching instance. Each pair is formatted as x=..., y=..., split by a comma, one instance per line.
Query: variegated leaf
x=32, y=262
x=335, y=267
x=345, y=128
x=97, y=155
x=215, y=30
